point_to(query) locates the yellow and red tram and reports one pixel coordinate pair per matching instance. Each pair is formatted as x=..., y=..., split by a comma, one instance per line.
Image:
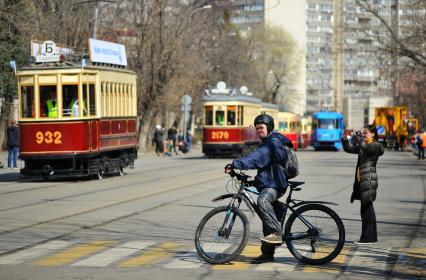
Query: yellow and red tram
x=75, y=120
x=228, y=123
x=289, y=124
x=306, y=131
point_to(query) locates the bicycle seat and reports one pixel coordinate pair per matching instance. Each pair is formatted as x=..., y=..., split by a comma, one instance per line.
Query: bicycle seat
x=294, y=184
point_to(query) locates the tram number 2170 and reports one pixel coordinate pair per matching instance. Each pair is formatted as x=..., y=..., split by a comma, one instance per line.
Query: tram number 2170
x=220, y=135
x=49, y=137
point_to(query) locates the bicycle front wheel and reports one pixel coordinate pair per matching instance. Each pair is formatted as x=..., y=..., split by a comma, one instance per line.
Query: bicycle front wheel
x=314, y=234
x=222, y=235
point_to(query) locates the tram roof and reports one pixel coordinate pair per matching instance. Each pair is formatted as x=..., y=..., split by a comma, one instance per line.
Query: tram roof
x=227, y=98
x=75, y=66
x=327, y=115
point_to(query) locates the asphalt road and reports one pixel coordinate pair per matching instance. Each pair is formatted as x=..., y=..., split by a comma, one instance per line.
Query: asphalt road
x=142, y=225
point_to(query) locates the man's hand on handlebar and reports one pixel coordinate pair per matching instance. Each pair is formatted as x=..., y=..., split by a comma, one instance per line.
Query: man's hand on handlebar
x=229, y=169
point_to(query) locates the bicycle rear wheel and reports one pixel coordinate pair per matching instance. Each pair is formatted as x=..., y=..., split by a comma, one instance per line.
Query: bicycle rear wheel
x=320, y=243
x=222, y=235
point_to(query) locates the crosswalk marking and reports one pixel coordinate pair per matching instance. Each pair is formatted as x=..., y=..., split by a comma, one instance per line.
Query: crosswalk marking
x=73, y=253
x=156, y=255
x=250, y=251
x=359, y=259
x=370, y=260
x=31, y=253
x=411, y=261
x=284, y=261
x=332, y=267
x=113, y=254
x=188, y=260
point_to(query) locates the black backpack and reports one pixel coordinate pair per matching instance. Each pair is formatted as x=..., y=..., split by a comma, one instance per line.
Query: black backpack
x=290, y=164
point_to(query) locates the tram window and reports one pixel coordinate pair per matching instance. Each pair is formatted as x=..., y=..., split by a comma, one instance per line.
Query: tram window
x=70, y=104
x=231, y=115
x=27, y=102
x=86, y=97
x=240, y=115
x=208, y=116
x=220, y=117
x=327, y=123
x=92, y=100
x=48, y=106
x=282, y=126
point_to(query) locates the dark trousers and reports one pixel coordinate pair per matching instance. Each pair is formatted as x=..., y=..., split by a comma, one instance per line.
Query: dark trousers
x=271, y=212
x=369, y=226
x=159, y=146
x=421, y=152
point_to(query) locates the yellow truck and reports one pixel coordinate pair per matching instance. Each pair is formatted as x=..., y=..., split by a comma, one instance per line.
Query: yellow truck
x=392, y=126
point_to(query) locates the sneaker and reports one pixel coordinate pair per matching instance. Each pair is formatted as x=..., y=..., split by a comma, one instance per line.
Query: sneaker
x=262, y=259
x=273, y=238
x=364, y=243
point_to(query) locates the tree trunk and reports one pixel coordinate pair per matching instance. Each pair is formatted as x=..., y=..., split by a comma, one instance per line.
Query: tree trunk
x=144, y=126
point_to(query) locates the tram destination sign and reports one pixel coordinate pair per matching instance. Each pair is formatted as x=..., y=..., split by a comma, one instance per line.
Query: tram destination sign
x=48, y=51
x=107, y=52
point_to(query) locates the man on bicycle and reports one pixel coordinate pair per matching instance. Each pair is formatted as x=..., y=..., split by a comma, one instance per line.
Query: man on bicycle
x=270, y=180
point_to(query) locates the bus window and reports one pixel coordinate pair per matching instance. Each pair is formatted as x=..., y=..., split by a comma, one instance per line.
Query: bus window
x=70, y=104
x=231, y=112
x=208, y=115
x=220, y=116
x=282, y=126
x=27, y=102
x=48, y=106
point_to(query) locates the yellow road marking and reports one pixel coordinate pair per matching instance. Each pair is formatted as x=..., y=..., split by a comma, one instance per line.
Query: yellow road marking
x=411, y=261
x=73, y=253
x=250, y=252
x=331, y=267
x=155, y=255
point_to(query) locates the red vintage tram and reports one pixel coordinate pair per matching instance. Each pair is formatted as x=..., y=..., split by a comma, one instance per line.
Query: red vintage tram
x=76, y=119
x=228, y=122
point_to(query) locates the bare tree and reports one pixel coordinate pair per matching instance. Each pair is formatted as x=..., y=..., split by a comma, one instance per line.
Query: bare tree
x=401, y=38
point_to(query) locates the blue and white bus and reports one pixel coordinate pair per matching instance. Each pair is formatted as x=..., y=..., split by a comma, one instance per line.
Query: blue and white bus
x=327, y=130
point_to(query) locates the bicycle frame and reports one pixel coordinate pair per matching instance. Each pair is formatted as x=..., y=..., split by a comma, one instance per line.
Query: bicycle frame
x=243, y=195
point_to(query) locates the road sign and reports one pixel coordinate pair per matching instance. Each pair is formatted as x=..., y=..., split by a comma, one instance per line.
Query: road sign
x=186, y=99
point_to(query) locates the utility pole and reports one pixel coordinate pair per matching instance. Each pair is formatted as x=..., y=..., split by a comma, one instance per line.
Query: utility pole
x=394, y=54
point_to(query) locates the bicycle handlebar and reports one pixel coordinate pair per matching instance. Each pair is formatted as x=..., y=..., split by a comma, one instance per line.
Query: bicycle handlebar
x=241, y=176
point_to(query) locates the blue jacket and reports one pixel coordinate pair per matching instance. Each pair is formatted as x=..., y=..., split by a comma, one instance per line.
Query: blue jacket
x=266, y=160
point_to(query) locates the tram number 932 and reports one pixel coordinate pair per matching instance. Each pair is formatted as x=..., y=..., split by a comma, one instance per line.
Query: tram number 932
x=220, y=135
x=49, y=137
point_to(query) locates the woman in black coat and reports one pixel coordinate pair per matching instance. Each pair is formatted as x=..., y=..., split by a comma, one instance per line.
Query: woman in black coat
x=366, y=182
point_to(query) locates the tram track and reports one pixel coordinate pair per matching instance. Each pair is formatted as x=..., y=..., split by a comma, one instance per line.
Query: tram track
x=103, y=223
x=144, y=196
x=73, y=182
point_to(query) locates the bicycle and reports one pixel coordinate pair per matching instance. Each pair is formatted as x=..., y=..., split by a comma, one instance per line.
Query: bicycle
x=314, y=233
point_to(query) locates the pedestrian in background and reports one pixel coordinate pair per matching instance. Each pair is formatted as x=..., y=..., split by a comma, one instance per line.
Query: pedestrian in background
x=420, y=141
x=157, y=139
x=172, y=137
x=13, y=145
x=369, y=150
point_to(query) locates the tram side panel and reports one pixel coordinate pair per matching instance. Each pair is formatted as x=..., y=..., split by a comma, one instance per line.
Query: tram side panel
x=77, y=148
x=227, y=141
